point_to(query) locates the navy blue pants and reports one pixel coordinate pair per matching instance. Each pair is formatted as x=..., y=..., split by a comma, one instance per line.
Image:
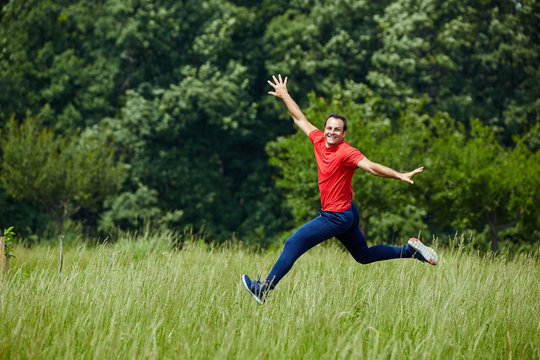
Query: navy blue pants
x=343, y=226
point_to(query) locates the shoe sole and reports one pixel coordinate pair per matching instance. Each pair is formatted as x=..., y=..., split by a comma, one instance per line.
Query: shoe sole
x=428, y=253
x=244, y=281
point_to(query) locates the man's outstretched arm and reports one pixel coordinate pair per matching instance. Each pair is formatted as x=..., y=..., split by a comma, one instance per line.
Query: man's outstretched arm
x=383, y=171
x=280, y=91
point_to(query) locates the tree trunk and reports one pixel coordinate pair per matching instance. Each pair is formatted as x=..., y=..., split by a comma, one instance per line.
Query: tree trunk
x=59, y=223
x=494, y=228
x=61, y=259
x=493, y=235
x=493, y=231
x=2, y=256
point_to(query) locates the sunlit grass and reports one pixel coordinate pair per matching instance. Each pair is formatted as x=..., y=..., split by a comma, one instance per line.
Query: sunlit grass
x=140, y=299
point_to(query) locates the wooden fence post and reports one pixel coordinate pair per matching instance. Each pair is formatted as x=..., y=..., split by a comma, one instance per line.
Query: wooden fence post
x=61, y=260
x=3, y=259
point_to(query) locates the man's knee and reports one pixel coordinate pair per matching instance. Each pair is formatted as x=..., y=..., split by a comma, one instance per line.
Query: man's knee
x=292, y=246
x=360, y=255
x=362, y=259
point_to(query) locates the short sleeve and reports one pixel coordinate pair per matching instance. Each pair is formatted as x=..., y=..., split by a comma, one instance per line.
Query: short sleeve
x=315, y=135
x=353, y=156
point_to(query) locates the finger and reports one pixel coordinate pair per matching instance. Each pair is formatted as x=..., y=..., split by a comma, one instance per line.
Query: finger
x=274, y=77
x=280, y=78
x=272, y=93
x=407, y=179
x=285, y=80
x=271, y=84
x=419, y=170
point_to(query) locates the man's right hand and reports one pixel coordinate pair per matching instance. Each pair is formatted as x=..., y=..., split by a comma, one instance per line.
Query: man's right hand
x=280, y=91
x=279, y=85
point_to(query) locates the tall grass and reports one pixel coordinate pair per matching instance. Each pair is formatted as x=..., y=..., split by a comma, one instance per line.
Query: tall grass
x=139, y=299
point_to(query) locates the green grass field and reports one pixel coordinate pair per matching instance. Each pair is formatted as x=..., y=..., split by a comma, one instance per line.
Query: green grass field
x=140, y=300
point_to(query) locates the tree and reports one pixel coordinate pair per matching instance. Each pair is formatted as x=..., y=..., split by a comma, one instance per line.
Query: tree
x=56, y=53
x=183, y=143
x=477, y=182
x=323, y=43
x=63, y=174
x=472, y=59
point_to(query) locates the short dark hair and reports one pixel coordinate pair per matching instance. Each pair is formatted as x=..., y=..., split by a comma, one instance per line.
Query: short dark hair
x=337, y=116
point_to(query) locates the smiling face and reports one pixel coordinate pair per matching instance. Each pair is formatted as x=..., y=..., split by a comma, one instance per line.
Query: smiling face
x=333, y=132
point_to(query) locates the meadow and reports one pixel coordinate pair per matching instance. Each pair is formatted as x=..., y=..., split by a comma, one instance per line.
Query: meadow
x=140, y=299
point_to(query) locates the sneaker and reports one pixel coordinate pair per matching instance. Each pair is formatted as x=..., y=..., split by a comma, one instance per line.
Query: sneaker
x=428, y=254
x=257, y=290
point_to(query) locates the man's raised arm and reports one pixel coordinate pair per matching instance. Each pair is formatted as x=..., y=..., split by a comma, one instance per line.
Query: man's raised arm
x=383, y=171
x=280, y=91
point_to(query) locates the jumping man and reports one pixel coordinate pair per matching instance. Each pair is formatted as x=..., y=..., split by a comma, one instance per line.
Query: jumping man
x=336, y=163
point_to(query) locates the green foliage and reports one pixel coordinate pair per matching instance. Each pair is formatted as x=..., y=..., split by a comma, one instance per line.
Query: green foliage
x=133, y=210
x=55, y=54
x=62, y=174
x=474, y=60
x=9, y=240
x=182, y=144
x=180, y=87
x=25, y=216
x=323, y=43
x=480, y=183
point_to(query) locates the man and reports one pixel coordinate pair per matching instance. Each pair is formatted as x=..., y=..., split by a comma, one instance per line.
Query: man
x=336, y=162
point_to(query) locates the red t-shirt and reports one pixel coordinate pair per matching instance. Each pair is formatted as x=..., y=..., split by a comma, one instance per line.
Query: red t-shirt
x=336, y=167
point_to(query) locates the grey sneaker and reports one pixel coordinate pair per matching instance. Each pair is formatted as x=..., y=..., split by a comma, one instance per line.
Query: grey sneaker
x=257, y=290
x=426, y=252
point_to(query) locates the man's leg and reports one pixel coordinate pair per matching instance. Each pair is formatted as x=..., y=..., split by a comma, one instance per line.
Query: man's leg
x=355, y=242
x=309, y=235
x=327, y=225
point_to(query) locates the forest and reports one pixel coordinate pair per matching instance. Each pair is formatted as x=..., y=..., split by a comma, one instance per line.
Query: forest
x=119, y=115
